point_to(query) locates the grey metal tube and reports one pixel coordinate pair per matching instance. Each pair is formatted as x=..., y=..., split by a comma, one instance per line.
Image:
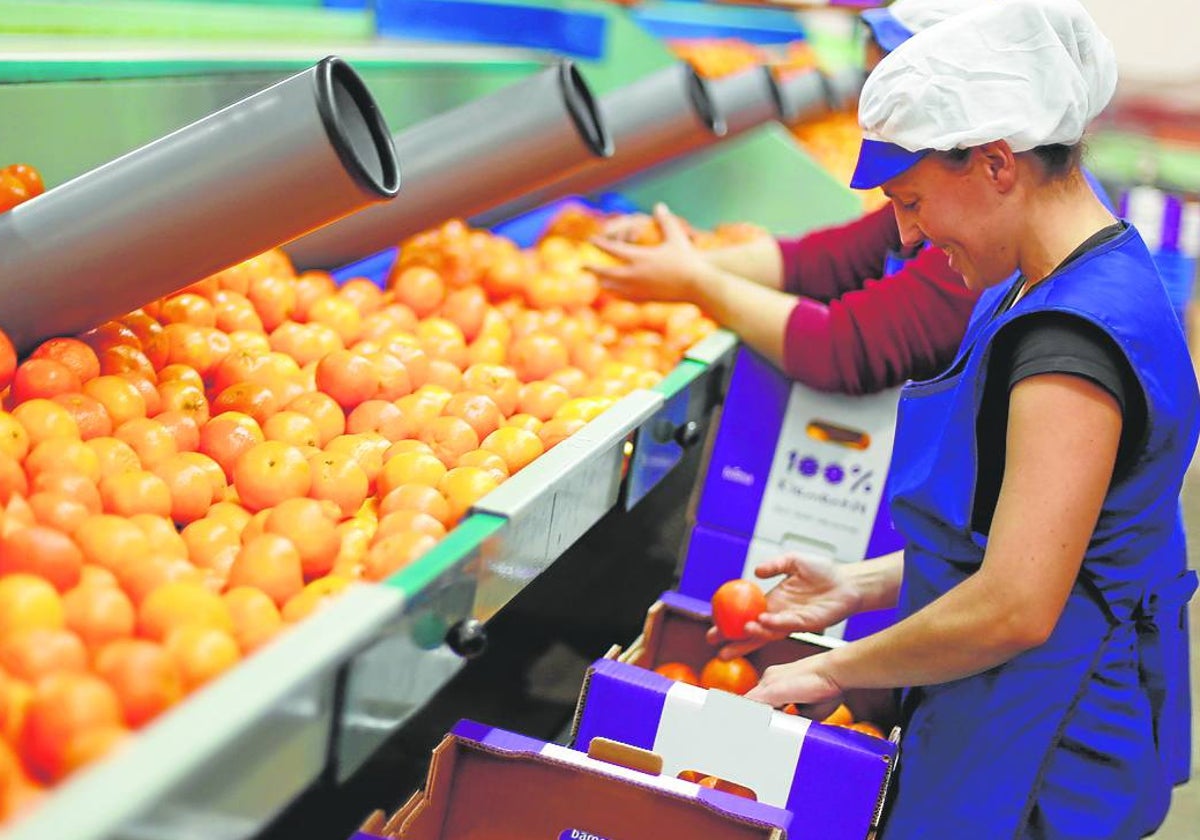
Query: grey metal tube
x=804, y=95
x=747, y=99
x=844, y=87
x=472, y=158
x=247, y=178
x=652, y=120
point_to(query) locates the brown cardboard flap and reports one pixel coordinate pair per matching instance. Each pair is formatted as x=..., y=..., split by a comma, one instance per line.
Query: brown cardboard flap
x=624, y=755
x=476, y=793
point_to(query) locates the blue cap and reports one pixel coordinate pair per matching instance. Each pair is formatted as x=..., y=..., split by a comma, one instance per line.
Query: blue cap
x=879, y=161
x=888, y=32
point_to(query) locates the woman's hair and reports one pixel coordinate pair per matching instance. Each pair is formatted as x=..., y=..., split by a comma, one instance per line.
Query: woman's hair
x=1057, y=159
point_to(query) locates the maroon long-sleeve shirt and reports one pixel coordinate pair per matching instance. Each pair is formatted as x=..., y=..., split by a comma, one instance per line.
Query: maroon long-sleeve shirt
x=850, y=330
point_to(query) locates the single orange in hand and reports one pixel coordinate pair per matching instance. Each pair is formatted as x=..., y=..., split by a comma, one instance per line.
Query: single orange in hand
x=736, y=603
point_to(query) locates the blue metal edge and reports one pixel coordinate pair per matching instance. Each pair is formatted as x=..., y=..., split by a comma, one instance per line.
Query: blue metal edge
x=581, y=34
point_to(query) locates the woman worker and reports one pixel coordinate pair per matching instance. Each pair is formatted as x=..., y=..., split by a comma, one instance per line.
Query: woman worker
x=847, y=308
x=813, y=305
x=1042, y=641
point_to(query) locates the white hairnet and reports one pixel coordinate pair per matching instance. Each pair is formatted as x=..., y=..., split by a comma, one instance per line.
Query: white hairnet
x=1031, y=72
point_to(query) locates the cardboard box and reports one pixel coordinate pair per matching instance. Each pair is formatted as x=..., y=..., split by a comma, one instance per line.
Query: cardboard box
x=792, y=469
x=489, y=784
x=832, y=780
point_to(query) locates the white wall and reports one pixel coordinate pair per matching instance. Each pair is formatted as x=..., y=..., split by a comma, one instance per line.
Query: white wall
x=1155, y=40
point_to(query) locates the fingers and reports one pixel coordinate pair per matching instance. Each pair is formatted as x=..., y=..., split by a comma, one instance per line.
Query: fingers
x=626, y=228
x=672, y=227
x=783, y=624
x=782, y=565
x=616, y=248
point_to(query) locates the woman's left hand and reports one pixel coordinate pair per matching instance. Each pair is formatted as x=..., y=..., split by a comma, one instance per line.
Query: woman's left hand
x=804, y=682
x=671, y=271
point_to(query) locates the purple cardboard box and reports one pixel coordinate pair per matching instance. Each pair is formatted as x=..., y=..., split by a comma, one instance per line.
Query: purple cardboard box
x=831, y=779
x=792, y=469
x=490, y=784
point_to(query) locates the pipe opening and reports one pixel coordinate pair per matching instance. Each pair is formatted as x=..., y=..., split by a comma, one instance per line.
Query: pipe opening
x=583, y=110
x=356, y=127
x=701, y=96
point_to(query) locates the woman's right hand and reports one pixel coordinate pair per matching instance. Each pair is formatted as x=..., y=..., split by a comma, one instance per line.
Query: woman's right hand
x=630, y=227
x=814, y=595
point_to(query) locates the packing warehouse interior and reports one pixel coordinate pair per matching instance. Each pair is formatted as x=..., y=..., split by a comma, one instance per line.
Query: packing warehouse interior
x=504, y=419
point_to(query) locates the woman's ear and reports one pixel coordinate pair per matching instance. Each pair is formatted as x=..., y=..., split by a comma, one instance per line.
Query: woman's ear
x=999, y=164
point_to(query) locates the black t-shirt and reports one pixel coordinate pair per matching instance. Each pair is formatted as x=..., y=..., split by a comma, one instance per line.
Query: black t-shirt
x=1050, y=342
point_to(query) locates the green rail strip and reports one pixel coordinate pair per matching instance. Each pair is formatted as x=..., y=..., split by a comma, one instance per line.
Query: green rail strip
x=224, y=21
x=680, y=377
x=468, y=536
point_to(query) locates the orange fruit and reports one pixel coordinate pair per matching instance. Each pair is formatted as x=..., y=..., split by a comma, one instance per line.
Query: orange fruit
x=187, y=308
x=516, y=446
x=450, y=438
x=63, y=705
x=408, y=520
x=80, y=359
x=536, y=356
x=347, y=377
x=57, y=511
x=37, y=653
x=324, y=411
x=208, y=541
x=91, y=745
x=366, y=449
x=314, y=534
x=114, y=456
x=736, y=676
x=42, y=378
x=292, y=427
x=338, y=478
x=98, y=614
x=15, y=697
x=216, y=476
x=340, y=315
x=865, y=727
x=273, y=298
x=270, y=472
x=202, y=653
x=13, y=483
x=464, y=486
x=79, y=488
x=479, y=410
x=541, y=399
x=175, y=604
x=62, y=455
x=256, y=619
x=314, y=596
x=841, y=716
x=394, y=552
x=140, y=577
x=487, y=460
x=364, y=294
x=90, y=416
x=144, y=676
x=190, y=488
x=149, y=438
x=378, y=416
x=144, y=382
x=45, y=419
x=409, y=468
x=182, y=426
x=14, y=440
x=493, y=381
x=41, y=551
x=679, y=672
x=28, y=603
x=271, y=563
x=126, y=494
x=310, y=287
x=111, y=541
x=417, y=497
x=419, y=288
x=120, y=398
x=226, y=437
x=555, y=431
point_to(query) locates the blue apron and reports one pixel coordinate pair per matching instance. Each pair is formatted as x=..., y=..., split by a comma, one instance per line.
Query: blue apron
x=1084, y=735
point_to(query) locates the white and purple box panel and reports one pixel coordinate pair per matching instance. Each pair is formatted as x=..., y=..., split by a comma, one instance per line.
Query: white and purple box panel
x=778, y=482
x=831, y=779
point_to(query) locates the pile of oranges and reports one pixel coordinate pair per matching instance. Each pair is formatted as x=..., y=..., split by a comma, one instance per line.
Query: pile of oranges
x=179, y=485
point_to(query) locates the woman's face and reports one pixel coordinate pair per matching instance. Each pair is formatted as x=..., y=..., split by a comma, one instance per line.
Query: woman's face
x=958, y=208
